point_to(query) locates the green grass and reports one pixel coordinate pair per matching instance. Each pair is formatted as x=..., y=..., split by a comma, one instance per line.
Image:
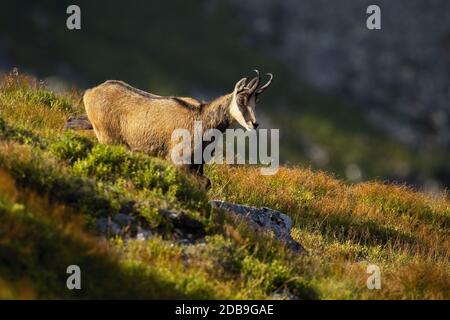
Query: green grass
x=73, y=173
x=54, y=184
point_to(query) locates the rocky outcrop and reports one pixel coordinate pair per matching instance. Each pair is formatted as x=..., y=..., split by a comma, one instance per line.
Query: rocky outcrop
x=122, y=225
x=185, y=230
x=182, y=228
x=263, y=219
x=80, y=122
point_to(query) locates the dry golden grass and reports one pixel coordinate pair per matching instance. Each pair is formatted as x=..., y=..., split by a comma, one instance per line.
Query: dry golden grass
x=404, y=231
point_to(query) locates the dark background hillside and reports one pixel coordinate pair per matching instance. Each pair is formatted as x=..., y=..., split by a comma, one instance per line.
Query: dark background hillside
x=361, y=104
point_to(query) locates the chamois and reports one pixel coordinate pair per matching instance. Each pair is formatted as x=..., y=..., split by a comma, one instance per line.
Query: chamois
x=142, y=121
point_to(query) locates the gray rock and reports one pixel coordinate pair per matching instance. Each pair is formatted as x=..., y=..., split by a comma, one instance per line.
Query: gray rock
x=184, y=227
x=122, y=225
x=264, y=219
x=107, y=226
x=124, y=219
x=80, y=122
x=143, y=234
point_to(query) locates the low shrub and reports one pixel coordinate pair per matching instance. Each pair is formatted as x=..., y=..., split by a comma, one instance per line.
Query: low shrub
x=71, y=147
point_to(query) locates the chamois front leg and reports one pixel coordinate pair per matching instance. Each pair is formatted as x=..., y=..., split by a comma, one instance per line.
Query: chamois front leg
x=191, y=167
x=197, y=170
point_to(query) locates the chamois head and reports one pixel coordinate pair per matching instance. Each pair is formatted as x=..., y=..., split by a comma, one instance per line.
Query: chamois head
x=245, y=96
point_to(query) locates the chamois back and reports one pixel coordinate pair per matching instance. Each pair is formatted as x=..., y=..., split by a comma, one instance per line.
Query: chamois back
x=122, y=114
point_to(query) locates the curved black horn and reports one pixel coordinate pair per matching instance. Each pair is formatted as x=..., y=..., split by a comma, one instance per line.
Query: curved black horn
x=264, y=87
x=254, y=83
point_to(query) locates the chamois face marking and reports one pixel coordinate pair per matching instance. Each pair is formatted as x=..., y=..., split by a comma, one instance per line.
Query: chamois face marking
x=243, y=104
x=242, y=109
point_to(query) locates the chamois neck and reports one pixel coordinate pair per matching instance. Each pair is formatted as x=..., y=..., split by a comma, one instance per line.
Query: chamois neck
x=215, y=114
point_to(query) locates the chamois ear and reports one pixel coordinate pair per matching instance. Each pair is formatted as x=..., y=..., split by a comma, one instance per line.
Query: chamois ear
x=240, y=85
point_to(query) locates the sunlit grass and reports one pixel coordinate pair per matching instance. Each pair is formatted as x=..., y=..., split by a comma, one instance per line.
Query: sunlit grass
x=392, y=226
x=54, y=184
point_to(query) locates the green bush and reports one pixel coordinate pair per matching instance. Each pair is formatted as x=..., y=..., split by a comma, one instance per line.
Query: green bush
x=272, y=275
x=71, y=147
x=110, y=163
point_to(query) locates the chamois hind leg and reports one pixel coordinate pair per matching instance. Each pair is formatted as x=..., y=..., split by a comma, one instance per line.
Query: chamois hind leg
x=101, y=134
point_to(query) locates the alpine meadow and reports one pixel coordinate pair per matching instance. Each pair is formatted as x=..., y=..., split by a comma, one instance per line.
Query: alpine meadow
x=56, y=184
x=224, y=158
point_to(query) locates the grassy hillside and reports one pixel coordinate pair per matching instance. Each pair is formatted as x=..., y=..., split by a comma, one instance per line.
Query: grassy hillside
x=192, y=53
x=55, y=184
